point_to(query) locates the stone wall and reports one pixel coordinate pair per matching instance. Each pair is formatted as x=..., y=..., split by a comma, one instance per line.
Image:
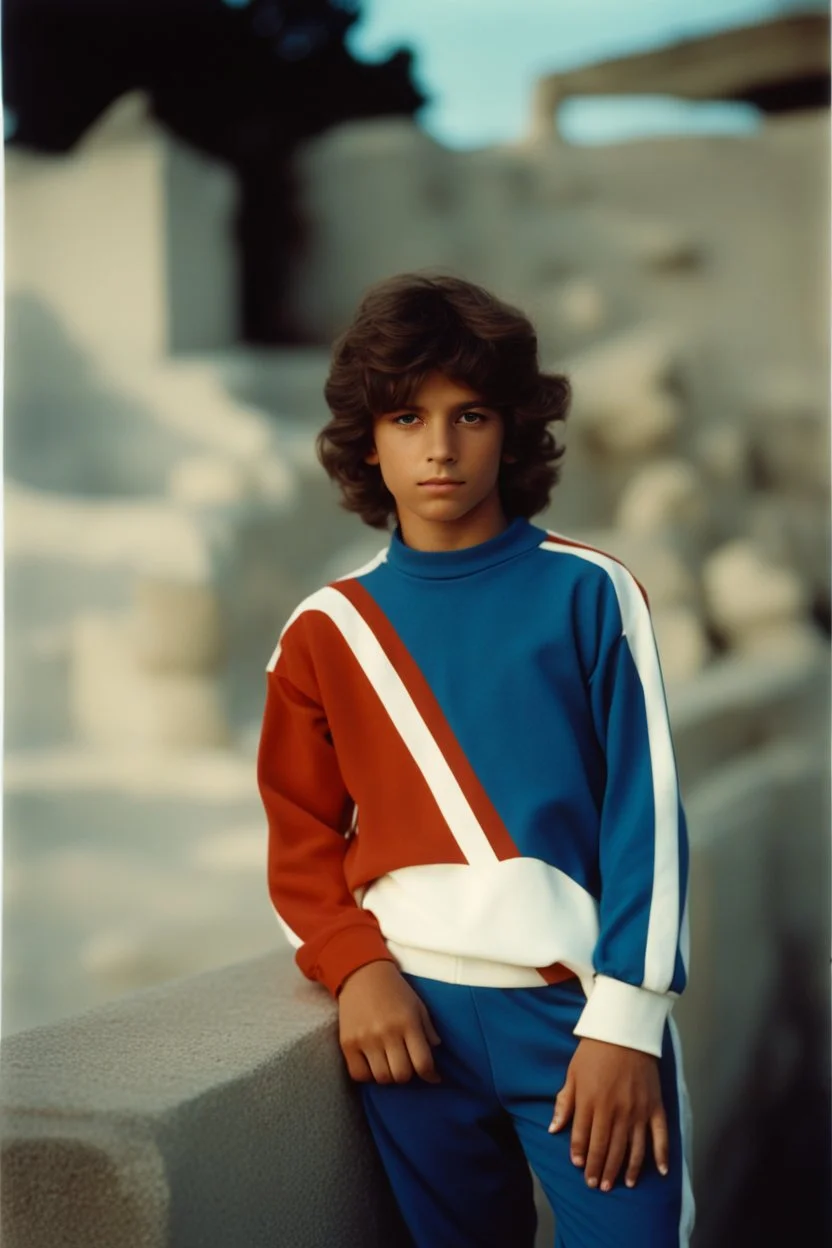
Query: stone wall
x=139, y=260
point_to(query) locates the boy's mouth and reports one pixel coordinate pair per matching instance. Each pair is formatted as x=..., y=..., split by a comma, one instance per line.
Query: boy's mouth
x=441, y=482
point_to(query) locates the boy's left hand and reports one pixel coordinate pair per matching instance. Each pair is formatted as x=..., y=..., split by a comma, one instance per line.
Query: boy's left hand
x=615, y=1097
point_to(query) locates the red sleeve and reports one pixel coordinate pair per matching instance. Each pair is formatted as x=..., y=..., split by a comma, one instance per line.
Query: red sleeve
x=308, y=810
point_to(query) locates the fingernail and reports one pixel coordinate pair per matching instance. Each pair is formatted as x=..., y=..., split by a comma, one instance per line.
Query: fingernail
x=576, y=1160
x=552, y=1127
x=605, y=1186
x=662, y=1169
x=592, y=1182
x=630, y=1182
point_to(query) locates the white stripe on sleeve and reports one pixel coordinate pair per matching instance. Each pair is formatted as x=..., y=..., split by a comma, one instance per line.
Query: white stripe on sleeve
x=663, y=920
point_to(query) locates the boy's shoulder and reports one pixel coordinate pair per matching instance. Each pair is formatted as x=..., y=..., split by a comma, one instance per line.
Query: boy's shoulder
x=577, y=562
x=588, y=560
x=321, y=600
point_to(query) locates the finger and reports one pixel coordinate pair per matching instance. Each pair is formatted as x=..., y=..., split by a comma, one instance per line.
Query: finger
x=581, y=1129
x=661, y=1143
x=596, y=1155
x=429, y=1029
x=398, y=1060
x=377, y=1061
x=619, y=1138
x=420, y=1055
x=638, y=1147
x=357, y=1065
x=564, y=1108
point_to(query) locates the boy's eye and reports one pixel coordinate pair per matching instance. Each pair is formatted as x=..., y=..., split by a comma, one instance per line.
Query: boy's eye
x=408, y=419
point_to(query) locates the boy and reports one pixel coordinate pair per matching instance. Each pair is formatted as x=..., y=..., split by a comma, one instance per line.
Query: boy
x=476, y=841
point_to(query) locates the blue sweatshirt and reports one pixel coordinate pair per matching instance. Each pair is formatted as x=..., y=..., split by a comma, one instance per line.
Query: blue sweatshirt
x=467, y=767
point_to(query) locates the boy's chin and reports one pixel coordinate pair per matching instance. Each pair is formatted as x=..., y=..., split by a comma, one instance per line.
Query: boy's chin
x=442, y=510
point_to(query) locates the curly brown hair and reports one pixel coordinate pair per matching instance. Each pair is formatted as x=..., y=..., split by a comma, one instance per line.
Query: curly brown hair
x=409, y=326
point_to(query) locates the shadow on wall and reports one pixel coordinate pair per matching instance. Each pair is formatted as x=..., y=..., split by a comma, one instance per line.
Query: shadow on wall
x=776, y=1190
x=67, y=427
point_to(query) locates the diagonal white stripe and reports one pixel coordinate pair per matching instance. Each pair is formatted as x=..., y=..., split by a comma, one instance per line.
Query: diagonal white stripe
x=663, y=921
x=387, y=683
x=381, y=557
x=299, y=610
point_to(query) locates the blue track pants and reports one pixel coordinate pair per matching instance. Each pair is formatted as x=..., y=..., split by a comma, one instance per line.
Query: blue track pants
x=457, y=1153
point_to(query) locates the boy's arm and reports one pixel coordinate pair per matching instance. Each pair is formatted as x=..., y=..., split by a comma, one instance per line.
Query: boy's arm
x=612, y=1089
x=308, y=810
x=639, y=958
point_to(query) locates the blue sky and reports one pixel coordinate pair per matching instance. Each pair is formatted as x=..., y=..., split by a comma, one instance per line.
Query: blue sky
x=477, y=60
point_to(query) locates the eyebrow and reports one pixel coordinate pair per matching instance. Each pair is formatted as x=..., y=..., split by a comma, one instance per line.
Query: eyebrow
x=457, y=407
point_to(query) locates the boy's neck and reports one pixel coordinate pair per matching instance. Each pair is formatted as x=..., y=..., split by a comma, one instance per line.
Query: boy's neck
x=469, y=530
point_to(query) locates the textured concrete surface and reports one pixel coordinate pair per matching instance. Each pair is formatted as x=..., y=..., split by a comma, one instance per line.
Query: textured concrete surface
x=211, y=1112
x=76, y=1181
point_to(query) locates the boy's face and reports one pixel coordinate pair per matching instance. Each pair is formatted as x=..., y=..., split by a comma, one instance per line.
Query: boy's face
x=440, y=459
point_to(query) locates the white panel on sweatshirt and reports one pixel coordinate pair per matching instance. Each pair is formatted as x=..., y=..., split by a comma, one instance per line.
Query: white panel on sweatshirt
x=520, y=912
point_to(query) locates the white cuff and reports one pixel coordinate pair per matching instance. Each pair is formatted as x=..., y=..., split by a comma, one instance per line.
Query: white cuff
x=623, y=1014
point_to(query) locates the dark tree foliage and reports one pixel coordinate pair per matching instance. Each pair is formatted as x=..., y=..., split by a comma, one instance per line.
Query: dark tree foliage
x=244, y=82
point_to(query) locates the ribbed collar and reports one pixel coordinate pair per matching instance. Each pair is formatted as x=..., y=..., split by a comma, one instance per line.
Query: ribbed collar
x=519, y=537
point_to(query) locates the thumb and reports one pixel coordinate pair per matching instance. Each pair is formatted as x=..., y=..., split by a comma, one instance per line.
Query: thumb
x=564, y=1105
x=430, y=1030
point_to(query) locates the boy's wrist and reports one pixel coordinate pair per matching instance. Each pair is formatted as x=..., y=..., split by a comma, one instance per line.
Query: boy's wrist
x=365, y=966
x=626, y=1015
x=347, y=950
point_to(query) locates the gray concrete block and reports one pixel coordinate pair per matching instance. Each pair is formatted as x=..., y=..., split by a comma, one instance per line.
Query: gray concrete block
x=215, y=1111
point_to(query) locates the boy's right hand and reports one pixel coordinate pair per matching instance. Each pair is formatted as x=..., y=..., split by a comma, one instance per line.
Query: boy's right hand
x=385, y=1029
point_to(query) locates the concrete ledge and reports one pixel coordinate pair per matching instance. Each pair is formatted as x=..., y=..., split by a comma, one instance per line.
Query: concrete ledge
x=213, y=1111
x=740, y=928
x=76, y=1181
x=739, y=705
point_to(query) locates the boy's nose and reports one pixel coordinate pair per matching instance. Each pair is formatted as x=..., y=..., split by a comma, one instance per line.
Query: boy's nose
x=441, y=447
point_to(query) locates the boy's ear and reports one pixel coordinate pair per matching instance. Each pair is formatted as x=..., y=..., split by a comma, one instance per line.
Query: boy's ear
x=371, y=457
